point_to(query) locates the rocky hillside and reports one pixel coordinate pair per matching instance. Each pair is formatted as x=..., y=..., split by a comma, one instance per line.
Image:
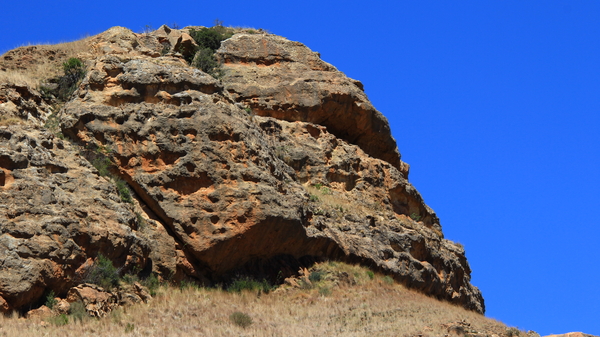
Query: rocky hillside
x=275, y=161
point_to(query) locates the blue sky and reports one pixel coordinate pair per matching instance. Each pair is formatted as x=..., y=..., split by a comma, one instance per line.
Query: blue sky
x=494, y=104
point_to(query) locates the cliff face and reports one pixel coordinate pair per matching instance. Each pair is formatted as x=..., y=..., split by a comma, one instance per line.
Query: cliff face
x=281, y=162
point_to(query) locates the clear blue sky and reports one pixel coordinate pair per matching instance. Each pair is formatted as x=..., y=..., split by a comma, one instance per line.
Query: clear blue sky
x=495, y=104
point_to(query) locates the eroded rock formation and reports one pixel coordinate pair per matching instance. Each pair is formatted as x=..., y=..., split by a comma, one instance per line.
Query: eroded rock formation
x=281, y=162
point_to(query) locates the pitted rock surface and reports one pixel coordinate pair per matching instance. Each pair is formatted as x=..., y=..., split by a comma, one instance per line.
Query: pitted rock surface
x=56, y=213
x=286, y=80
x=281, y=162
x=22, y=102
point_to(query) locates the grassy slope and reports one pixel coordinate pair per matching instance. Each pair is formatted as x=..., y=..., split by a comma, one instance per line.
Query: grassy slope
x=345, y=302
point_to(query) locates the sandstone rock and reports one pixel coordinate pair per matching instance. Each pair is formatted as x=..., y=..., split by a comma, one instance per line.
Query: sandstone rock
x=55, y=213
x=40, y=313
x=131, y=294
x=4, y=307
x=185, y=45
x=97, y=302
x=232, y=189
x=62, y=306
x=286, y=80
x=23, y=102
x=310, y=173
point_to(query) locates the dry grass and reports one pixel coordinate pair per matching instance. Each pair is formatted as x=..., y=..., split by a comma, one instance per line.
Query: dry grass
x=18, y=77
x=4, y=121
x=334, y=201
x=34, y=64
x=364, y=306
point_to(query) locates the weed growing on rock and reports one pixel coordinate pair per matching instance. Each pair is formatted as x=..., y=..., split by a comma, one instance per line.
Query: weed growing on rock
x=74, y=71
x=211, y=37
x=51, y=299
x=152, y=283
x=204, y=59
x=316, y=276
x=240, y=319
x=209, y=40
x=53, y=125
x=247, y=283
x=77, y=311
x=59, y=320
x=324, y=291
x=141, y=222
x=123, y=190
x=103, y=273
x=102, y=164
x=129, y=327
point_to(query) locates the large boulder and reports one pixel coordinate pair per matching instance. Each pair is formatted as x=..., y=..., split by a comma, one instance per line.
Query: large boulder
x=235, y=191
x=280, y=163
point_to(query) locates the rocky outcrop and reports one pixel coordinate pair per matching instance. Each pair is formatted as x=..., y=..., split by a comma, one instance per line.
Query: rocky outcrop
x=56, y=214
x=286, y=80
x=281, y=162
x=21, y=102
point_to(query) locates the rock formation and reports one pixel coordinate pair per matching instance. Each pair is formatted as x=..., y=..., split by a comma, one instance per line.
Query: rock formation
x=281, y=162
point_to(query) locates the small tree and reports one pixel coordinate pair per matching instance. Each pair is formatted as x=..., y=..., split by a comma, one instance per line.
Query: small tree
x=209, y=40
x=74, y=71
x=103, y=273
x=205, y=61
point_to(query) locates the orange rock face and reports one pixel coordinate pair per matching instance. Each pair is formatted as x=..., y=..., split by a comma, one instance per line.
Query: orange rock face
x=280, y=163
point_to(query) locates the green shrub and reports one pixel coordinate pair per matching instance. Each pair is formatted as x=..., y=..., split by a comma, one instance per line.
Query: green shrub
x=240, y=319
x=152, y=283
x=103, y=273
x=211, y=37
x=324, y=291
x=123, y=190
x=74, y=71
x=370, y=274
x=102, y=164
x=316, y=276
x=185, y=284
x=313, y=198
x=77, y=311
x=204, y=59
x=209, y=40
x=388, y=279
x=415, y=216
x=247, y=283
x=53, y=124
x=129, y=327
x=51, y=299
x=59, y=320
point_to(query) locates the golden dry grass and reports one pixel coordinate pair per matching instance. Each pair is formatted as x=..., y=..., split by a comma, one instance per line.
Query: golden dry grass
x=363, y=307
x=34, y=64
x=4, y=121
